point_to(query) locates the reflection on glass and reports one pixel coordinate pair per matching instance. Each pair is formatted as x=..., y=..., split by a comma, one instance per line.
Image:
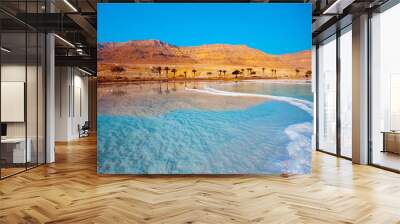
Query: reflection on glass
x=327, y=96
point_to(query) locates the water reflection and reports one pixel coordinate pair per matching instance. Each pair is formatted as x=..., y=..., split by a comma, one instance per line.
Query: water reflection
x=155, y=98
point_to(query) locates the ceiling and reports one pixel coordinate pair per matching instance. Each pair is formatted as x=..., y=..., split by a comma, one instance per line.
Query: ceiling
x=332, y=15
x=75, y=22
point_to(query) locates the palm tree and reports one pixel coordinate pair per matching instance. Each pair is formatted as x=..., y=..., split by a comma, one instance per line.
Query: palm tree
x=249, y=70
x=159, y=69
x=263, y=69
x=242, y=70
x=174, y=71
x=220, y=71
x=224, y=71
x=308, y=73
x=194, y=73
x=166, y=71
x=154, y=70
x=185, y=72
x=236, y=73
x=273, y=71
x=297, y=72
x=117, y=69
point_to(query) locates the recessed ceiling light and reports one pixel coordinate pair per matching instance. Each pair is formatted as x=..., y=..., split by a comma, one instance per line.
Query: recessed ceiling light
x=337, y=7
x=84, y=71
x=64, y=40
x=5, y=50
x=70, y=5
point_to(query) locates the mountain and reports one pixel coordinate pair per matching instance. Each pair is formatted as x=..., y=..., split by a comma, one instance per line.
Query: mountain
x=161, y=53
x=302, y=58
x=142, y=52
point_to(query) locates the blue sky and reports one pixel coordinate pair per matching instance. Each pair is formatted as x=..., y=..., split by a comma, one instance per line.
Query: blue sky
x=272, y=28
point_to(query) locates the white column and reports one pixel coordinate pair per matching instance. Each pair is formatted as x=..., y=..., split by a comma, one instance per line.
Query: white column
x=50, y=98
x=360, y=90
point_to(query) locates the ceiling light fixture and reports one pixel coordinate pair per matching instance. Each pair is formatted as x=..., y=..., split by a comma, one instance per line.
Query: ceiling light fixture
x=337, y=7
x=84, y=71
x=5, y=50
x=70, y=5
x=333, y=6
x=64, y=40
x=79, y=51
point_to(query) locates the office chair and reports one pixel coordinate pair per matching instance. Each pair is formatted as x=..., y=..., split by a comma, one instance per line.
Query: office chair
x=84, y=130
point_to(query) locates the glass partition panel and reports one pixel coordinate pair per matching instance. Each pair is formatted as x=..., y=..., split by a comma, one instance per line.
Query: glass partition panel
x=14, y=153
x=346, y=92
x=41, y=99
x=31, y=98
x=327, y=96
x=22, y=66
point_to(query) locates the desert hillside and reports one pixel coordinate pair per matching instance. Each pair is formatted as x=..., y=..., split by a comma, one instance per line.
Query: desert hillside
x=154, y=59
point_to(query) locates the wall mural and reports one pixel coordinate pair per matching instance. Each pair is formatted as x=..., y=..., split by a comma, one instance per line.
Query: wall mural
x=204, y=88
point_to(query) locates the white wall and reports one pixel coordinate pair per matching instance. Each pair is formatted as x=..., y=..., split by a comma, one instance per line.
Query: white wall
x=16, y=72
x=70, y=83
x=13, y=100
x=62, y=82
x=13, y=72
x=80, y=105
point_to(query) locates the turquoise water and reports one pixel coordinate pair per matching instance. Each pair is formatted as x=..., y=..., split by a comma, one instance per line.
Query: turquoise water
x=205, y=128
x=299, y=90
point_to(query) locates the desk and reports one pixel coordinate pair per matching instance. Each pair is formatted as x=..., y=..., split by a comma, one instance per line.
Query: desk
x=391, y=141
x=19, y=155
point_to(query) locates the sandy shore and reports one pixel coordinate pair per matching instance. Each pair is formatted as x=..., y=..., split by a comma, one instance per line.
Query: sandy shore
x=105, y=79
